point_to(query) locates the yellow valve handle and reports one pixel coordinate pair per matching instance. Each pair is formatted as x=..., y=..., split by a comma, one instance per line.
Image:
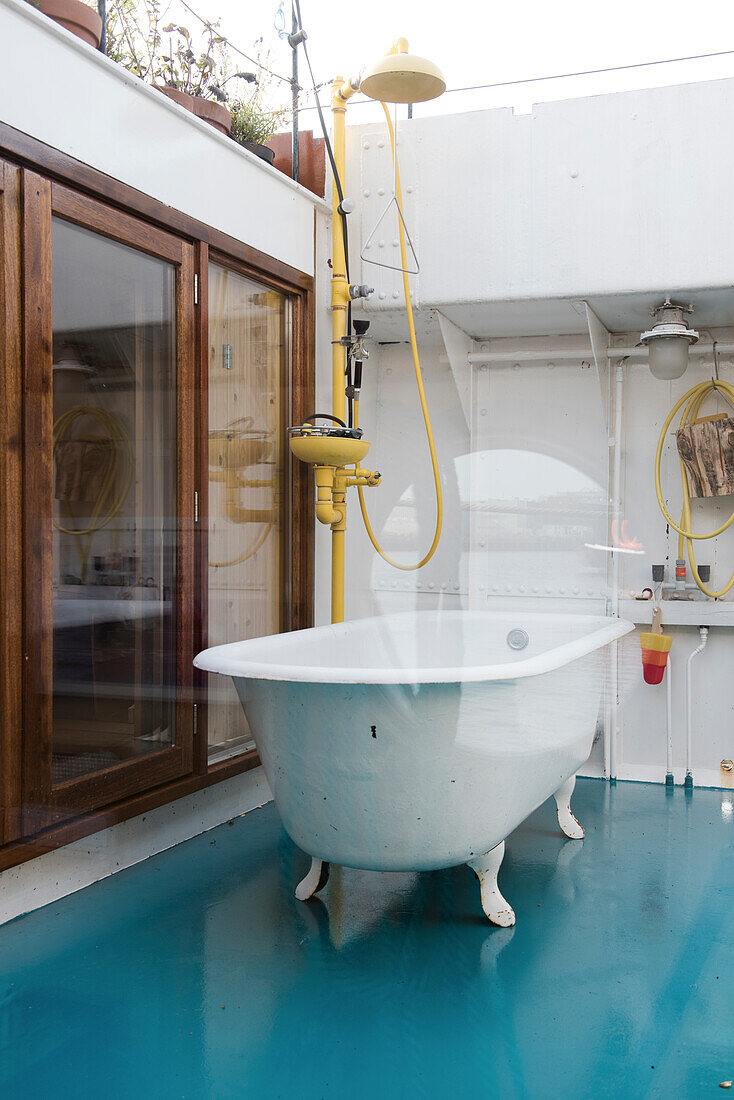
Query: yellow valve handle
x=692, y=401
x=421, y=391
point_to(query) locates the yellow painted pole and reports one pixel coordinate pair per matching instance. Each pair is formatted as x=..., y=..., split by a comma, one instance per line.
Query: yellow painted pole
x=340, y=93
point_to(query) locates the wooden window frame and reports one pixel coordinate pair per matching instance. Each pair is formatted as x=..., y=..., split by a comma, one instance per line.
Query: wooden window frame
x=31, y=171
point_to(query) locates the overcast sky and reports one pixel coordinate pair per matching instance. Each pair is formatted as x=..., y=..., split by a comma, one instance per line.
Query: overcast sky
x=480, y=42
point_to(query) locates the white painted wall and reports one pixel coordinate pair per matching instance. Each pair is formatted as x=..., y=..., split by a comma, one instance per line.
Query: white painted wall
x=61, y=91
x=598, y=196
x=516, y=220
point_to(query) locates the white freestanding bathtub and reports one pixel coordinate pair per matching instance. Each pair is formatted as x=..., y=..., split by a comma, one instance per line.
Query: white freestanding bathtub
x=420, y=740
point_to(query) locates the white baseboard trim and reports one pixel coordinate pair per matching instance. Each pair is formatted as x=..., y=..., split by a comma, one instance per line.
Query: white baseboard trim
x=56, y=874
x=654, y=773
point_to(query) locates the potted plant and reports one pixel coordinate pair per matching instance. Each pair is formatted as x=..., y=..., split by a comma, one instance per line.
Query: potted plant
x=193, y=76
x=163, y=56
x=199, y=77
x=253, y=125
x=81, y=19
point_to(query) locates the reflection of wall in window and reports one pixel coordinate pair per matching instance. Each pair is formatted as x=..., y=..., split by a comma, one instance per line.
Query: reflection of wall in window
x=114, y=506
x=531, y=517
x=246, y=530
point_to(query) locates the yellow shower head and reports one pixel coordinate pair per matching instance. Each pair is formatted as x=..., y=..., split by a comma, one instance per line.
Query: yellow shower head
x=401, y=77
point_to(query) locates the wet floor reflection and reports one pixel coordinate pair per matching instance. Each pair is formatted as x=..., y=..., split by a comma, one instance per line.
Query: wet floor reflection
x=197, y=974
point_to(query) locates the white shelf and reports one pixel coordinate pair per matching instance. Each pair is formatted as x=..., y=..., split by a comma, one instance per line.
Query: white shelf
x=680, y=612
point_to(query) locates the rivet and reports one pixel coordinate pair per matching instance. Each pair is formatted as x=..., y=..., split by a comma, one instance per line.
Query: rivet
x=366, y=193
x=521, y=588
x=380, y=144
x=481, y=588
x=381, y=244
x=389, y=370
x=395, y=244
x=366, y=145
x=508, y=588
x=562, y=591
x=409, y=189
x=482, y=543
x=395, y=294
x=380, y=190
x=485, y=347
x=483, y=412
x=419, y=584
x=516, y=366
x=495, y=588
x=432, y=584
x=551, y=366
x=574, y=174
x=443, y=587
x=576, y=591
x=727, y=765
x=456, y=588
x=381, y=294
x=536, y=590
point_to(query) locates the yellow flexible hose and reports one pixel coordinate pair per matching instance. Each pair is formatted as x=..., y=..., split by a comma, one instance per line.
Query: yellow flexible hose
x=692, y=401
x=109, y=500
x=421, y=391
x=247, y=553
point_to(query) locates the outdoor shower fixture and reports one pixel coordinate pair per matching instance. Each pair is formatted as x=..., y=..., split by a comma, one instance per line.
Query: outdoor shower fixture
x=668, y=341
x=335, y=450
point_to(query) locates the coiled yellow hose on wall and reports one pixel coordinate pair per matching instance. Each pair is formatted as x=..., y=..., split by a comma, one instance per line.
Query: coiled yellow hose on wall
x=692, y=402
x=419, y=382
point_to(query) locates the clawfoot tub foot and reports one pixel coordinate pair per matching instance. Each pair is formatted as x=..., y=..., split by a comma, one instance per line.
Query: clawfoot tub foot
x=314, y=881
x=566, y=820
x=486, y=868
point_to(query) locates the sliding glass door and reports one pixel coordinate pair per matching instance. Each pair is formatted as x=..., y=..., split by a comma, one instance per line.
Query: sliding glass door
x=109, y=508
x=247, y=396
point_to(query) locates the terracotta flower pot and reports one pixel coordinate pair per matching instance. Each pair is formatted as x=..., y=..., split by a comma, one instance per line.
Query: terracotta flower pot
x=311, y=159
x=77, y=17
x=213, y=113
x=182, y=98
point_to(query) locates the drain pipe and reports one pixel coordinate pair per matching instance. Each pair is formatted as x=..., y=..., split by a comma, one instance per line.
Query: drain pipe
x=610, y=740
x=669, y=780
x=704, y=633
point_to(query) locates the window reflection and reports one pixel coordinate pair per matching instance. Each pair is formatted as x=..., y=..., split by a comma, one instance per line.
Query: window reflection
x=114, y=508
x=246, y=472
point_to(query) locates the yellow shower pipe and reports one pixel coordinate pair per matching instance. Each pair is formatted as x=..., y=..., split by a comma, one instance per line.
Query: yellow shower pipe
x=337, y=459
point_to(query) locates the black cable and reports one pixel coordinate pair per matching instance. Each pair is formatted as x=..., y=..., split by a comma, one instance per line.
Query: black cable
x=329, y=150
x=340, y=193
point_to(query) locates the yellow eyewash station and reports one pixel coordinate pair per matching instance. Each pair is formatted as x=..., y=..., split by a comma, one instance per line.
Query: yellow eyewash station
x=336, y=449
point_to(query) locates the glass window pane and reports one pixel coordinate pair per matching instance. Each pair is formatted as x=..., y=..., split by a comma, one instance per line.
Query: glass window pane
x=247, y=409
x=114, y=508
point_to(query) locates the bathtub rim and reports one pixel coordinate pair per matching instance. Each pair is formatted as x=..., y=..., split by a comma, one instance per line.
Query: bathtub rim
x=228, y=660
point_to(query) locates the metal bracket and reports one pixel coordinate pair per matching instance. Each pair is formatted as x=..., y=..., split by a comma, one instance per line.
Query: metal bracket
x=600, y=340
x=459, y=346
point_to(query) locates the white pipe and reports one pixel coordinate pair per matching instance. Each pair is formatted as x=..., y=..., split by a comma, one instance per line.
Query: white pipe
x=612, y=730
x=703, y=631
x=531, y=355
x=669, y=718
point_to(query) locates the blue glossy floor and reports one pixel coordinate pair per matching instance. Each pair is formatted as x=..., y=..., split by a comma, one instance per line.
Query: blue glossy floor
x=197, y=974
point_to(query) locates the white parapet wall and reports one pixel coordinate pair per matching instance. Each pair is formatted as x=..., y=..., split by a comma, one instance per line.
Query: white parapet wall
x=59, y=90
x=596, y=196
